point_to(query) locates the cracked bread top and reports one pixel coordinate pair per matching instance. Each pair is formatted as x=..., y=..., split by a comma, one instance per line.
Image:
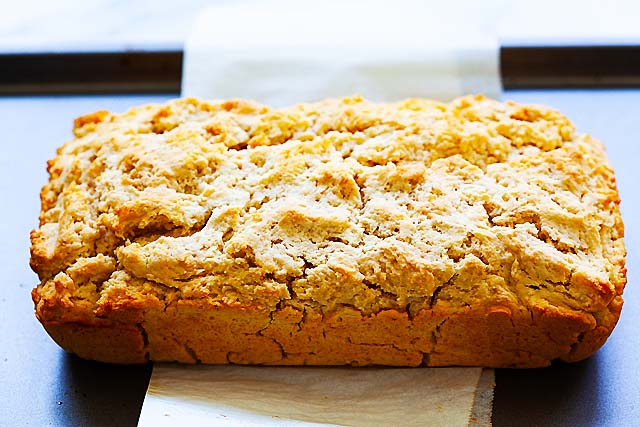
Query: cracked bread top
x=339, y=203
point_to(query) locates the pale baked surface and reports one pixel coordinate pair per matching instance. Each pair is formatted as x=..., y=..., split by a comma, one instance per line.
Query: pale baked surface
x=340, y=232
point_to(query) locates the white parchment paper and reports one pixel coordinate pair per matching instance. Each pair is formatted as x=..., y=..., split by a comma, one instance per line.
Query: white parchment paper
x=183, y=395
x=283, y=52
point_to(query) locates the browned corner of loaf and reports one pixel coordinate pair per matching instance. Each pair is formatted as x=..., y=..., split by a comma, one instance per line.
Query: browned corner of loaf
x=124, y=344
x=590, y=341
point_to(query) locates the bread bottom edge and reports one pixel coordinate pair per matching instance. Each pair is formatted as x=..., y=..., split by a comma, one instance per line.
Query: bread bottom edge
x=497, y=336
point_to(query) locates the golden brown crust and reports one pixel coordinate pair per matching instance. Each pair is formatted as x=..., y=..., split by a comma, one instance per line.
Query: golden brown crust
x=498, y=337
x=342, y=232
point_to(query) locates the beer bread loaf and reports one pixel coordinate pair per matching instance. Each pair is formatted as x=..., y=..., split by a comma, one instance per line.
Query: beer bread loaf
x=340, y=232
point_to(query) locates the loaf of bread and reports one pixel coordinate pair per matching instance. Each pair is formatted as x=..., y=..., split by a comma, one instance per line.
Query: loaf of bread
x=343, y=232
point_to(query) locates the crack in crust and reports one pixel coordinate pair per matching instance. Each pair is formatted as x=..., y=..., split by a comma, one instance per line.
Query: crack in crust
x=344, y=205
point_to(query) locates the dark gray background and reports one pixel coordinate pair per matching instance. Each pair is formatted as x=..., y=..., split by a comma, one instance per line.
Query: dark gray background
x=40, y=385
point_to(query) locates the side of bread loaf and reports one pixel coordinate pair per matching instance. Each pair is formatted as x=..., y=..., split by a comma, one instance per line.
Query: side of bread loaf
x=341, y=232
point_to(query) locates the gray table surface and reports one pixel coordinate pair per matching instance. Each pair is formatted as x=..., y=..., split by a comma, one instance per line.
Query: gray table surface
x=40, y=385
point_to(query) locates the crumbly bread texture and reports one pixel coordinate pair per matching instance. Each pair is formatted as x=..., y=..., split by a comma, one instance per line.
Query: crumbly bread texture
x=339, y=232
